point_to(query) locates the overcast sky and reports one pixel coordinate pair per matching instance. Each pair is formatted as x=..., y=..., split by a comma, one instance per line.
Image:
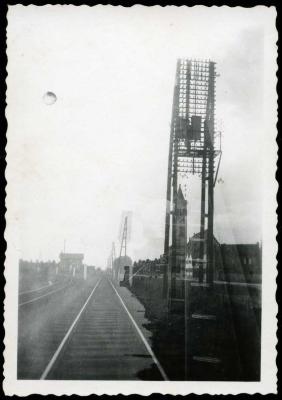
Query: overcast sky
x=102, y=147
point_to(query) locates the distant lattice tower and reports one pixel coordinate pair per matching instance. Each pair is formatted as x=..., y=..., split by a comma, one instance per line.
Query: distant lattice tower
x=124, y=237
x=123, y=244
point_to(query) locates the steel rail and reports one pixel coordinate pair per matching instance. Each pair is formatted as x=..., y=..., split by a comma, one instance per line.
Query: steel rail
x=38, y=289
x=66, y=337
x=44, y=295
x=150, y=351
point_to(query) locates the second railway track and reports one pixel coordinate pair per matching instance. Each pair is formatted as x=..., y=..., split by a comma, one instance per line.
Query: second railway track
x=31, y=296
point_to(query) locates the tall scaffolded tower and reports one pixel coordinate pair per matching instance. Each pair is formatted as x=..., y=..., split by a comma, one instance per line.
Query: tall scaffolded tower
x=123, y=244
x=193, y=149
x=124, y=238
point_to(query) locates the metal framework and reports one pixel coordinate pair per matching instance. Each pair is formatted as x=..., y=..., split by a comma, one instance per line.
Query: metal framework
x=194, y=145
x=123, y=244
x=124, y=238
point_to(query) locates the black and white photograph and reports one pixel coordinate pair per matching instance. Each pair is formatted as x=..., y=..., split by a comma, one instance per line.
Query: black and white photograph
x=141, y=200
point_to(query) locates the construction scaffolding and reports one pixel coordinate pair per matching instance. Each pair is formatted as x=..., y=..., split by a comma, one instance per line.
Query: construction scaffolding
x=194, y=146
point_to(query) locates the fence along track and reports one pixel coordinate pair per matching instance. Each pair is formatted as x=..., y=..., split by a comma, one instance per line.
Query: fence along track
x=103, y=342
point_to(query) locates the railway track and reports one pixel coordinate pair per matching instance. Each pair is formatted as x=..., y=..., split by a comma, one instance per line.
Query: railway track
x=30, y=296
x=102, y=341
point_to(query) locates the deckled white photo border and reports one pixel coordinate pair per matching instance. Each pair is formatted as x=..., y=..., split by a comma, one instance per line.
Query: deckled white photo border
x=12, y=386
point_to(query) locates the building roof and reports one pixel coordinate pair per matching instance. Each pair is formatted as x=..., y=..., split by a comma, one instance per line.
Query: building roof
x=198, y=235
x=180, y=194
x=73, y=256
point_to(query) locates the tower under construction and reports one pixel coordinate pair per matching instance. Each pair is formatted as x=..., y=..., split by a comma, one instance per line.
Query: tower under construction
x=194, y=146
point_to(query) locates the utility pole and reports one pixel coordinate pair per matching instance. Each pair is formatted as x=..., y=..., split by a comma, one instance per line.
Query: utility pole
x=113, y=257
x=169, y=256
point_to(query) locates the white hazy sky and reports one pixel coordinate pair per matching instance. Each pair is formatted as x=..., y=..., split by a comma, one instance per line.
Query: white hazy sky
x=103, y=146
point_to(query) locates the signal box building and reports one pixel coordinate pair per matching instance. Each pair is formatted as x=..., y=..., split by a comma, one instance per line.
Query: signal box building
x=71, y=262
